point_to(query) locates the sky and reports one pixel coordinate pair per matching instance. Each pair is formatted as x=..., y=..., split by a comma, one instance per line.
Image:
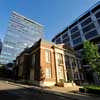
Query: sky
x=55, y=15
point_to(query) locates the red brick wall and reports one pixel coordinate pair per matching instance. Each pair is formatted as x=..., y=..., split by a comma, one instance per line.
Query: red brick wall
x=43, y=62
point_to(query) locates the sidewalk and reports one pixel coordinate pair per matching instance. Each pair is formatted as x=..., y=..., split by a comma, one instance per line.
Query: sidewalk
x=60, y=91
x=70, y=89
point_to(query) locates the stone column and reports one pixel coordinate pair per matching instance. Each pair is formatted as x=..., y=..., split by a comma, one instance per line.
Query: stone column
x=81, y=32
x=57, y=76
x=56, y=69
x=70, y=39
x=65, y=70
x=93, y=17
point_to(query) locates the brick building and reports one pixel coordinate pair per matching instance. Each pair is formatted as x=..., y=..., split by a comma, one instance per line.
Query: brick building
x=46, y=64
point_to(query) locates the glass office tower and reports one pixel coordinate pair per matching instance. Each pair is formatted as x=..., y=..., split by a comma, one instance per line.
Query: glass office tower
x=22, y=32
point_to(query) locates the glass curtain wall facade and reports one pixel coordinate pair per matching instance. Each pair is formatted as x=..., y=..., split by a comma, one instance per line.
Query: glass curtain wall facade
x=22, y=33
x=85, y=27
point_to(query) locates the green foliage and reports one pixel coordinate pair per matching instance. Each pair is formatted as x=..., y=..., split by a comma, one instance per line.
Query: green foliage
x=92, y=87
x=60, y=83
x=61, y=80
x=91, y=55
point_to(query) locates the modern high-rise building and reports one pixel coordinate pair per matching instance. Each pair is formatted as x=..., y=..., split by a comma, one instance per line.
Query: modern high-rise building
x=85, y=27
x=22, y=33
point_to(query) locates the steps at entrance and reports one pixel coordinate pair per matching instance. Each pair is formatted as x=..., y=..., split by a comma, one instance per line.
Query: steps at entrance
x=69, y=84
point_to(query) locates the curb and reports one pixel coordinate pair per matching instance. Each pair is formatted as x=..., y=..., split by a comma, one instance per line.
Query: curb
x=44, y=91
x=53, y=92
x=59, y=94
x=20, y=85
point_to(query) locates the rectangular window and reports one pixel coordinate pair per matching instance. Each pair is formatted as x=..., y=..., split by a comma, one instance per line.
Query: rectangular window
x=47, y=53
x=73, y=63
x=76, y=76
x=67, y=61
x=74, y=29
x=58, y=40
x=66, y=40
x=65, y=35
x=60, y=72
x=60, y=59
x=99, y=21
x=87, y=21
x=48, y=72
x=88, y=28
x=91, y=34
x=76, y=41
x=75, y=35
x=97, y=15
x=33, y=59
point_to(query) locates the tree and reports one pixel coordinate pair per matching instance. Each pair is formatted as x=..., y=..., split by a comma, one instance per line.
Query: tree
x=91, y=56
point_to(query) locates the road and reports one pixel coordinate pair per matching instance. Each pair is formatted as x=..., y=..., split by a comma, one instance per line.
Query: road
x=14, y=92
x=19, y=93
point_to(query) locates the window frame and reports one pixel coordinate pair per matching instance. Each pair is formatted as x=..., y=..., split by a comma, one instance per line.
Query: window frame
x=48, y=73
x=48, y=56
x=60, y=58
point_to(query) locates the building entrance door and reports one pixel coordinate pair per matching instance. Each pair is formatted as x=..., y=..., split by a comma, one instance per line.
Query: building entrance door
x=61, y=73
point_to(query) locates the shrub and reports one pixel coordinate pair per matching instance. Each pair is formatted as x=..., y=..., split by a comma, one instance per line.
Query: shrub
x=60, y=83
x=92, y=89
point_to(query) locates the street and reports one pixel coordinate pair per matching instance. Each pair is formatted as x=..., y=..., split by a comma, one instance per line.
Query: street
x=14, y=92
x=19, y=93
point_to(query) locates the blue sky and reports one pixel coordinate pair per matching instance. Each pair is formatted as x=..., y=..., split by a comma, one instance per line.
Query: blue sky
x=55, y=15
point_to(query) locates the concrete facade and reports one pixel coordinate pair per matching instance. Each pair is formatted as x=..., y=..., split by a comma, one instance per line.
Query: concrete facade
x=85, y=27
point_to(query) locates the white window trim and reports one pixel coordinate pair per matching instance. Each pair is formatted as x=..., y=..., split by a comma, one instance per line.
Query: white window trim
x=48, y=73
x=48, y=56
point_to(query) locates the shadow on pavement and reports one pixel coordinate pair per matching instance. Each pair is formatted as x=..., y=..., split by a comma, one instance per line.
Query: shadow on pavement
x=23, y=93
x=20, y=94
x=29, y=94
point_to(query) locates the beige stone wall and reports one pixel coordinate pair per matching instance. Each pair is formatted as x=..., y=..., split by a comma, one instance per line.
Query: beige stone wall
x=57, y=50
x=45, y=65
